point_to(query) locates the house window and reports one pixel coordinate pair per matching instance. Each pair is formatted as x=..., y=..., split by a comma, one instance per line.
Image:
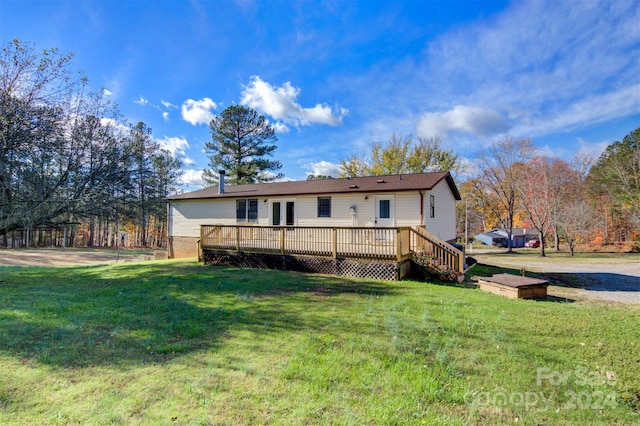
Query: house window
x=252, y=210
x=385, y=209
x=324, y=206
x=241, y=210
x=432, y=206
x=247, y=210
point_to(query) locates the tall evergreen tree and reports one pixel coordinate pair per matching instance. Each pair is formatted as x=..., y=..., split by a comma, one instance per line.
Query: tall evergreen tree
x=241, y=139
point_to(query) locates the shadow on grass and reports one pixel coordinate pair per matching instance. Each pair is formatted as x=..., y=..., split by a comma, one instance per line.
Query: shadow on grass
x=153, y=312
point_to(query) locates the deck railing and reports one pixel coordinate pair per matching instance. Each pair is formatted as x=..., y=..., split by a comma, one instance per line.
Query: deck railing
x=363, y=242
x=391, y=243
x=440, y=255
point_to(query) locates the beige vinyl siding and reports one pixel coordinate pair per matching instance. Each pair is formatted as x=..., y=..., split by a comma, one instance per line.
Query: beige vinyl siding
x=443, y=225
x=263, y=211
x=187, y=216
x=340, y=210
x=407, y=208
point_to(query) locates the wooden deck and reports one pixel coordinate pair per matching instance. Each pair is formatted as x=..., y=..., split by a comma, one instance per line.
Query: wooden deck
x=396, y=244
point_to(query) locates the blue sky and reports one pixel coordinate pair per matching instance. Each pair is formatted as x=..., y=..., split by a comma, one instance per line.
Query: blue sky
x=335, y=76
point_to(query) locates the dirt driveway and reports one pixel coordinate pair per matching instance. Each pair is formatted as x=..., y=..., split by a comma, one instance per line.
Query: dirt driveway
x=616, y=280
x=70, y=256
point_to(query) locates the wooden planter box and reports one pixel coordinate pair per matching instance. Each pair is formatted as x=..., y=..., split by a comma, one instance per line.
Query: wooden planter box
x=514, y=286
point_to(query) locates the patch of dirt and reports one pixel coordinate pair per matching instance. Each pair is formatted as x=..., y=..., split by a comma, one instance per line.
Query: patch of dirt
x=70, y=256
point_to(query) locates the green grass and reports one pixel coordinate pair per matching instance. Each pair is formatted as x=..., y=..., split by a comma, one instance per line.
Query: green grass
x=174, y=342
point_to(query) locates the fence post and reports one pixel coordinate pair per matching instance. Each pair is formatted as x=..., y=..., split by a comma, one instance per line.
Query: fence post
x=237, y=238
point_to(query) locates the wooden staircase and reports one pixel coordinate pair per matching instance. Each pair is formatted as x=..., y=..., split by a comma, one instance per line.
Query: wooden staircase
x=436, y=256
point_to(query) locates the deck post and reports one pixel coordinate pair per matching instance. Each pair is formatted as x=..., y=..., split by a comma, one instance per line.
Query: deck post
x=334, y=242
x=282, y=240
x=237, y=238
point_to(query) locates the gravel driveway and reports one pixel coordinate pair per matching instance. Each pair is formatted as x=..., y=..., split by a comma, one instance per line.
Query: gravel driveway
x=610, y=280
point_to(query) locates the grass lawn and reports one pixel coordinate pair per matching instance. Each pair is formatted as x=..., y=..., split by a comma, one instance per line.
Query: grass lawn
x=175, y=342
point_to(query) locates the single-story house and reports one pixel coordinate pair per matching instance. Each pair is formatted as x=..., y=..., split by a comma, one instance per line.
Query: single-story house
x=498, y=237
x=423, y=199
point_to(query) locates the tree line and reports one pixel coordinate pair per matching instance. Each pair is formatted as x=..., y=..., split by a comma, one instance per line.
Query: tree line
x=72, y=170
x=584, y=201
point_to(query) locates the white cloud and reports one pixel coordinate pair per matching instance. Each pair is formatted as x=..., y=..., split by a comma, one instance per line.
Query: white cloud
x=558, y=66
x=165, y=115
x=176, y=146
x=141, y=101
x=281, y=104
x=107, y=92
x=110, y=122
x=198, y=112
x=591, y=149
x=324, y=168
x=592, y=110
x=280, y=127
x=477, y=121
x=192, y=178
x=168, y=104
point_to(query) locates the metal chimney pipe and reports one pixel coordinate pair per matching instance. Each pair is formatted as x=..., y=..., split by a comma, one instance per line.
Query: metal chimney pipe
x=221, y=182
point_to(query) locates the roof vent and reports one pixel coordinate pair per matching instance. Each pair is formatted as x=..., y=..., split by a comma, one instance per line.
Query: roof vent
x=354, y=187
x=381, y=181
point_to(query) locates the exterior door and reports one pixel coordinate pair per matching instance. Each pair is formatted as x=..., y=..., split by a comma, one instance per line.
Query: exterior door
x=290, y=214
x=275, y=213
x=384, y=211
x=283, y=213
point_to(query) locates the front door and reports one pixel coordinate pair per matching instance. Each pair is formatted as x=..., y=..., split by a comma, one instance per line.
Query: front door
x=384, y=211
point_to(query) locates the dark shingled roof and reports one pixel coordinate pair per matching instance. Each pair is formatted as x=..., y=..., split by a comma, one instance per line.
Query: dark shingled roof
x=391, y=183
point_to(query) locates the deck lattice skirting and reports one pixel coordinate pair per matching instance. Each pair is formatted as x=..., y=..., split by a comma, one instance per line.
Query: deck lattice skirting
x=379, y=253
x=381, y=270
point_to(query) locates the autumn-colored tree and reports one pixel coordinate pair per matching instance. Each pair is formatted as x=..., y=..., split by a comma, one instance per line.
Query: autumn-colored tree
x=543, y=186
x=501, y=168
x=401, y=154
x=319, y=177
x=391, y=158
x=479, y=215
x=354, y=166
x=427, y=155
